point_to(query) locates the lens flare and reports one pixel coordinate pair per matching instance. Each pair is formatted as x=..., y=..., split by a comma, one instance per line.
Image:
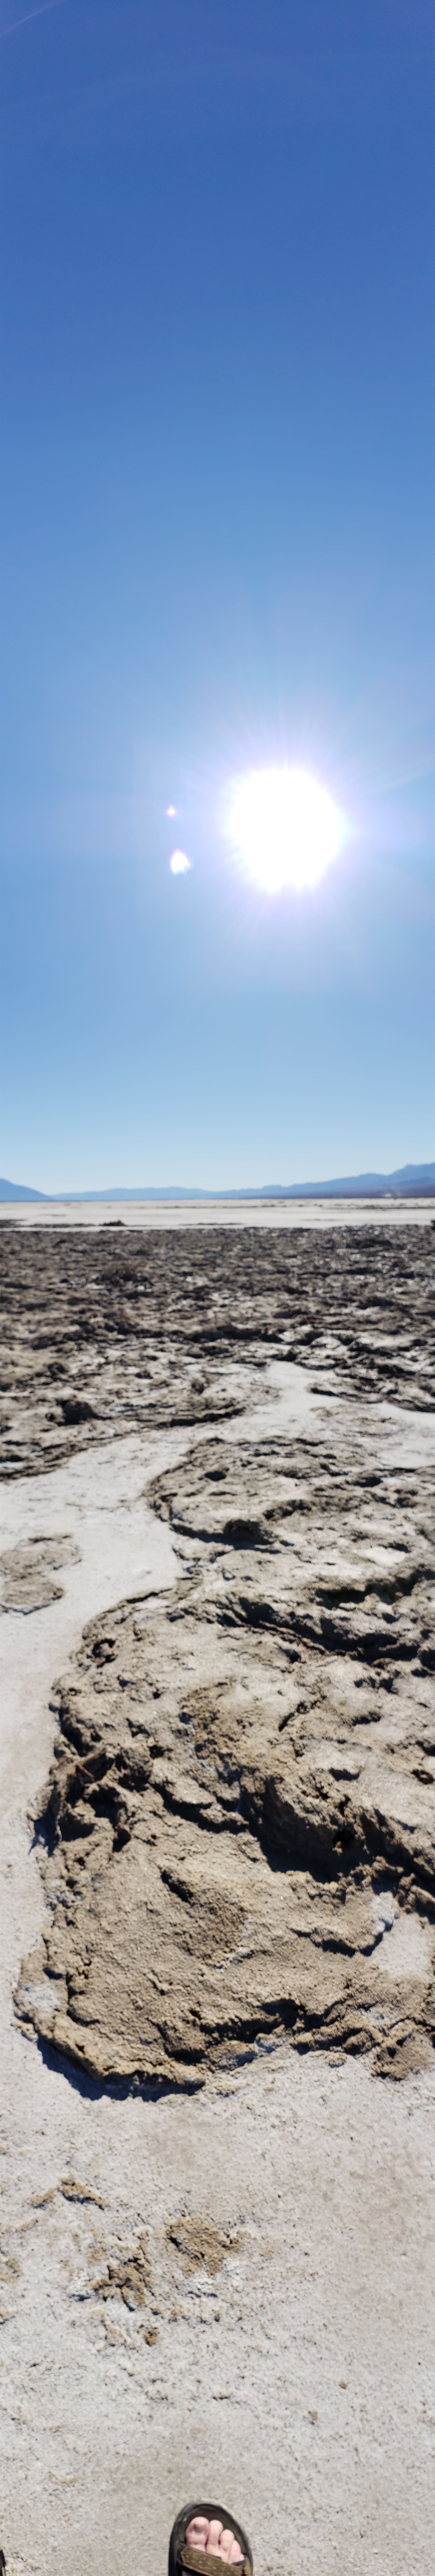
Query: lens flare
x=178, y=863
x=285, y=827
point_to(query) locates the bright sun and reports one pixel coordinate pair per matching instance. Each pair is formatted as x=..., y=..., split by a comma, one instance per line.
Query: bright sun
x=286, y=828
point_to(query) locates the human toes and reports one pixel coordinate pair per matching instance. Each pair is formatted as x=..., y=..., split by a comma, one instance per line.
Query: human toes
x=229, y=2550
x=215, y=2530
x=198, y=2531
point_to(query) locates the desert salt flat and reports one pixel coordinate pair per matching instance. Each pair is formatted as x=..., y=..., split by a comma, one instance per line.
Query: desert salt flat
x=169, y=1213
x=292, y=2372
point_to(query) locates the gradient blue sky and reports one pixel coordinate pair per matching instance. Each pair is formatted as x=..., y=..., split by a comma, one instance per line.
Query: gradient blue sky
x=218, y=424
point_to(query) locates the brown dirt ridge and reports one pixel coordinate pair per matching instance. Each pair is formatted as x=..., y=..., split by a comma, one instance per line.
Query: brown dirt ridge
x=238, y=1832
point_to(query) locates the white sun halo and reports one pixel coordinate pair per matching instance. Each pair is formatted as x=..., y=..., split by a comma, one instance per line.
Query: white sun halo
x=286, y=828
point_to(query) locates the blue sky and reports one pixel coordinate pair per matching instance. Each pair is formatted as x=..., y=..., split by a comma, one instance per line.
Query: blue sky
x=217, y=542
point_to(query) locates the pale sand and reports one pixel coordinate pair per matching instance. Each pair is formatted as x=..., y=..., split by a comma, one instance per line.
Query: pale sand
x=323, y=2174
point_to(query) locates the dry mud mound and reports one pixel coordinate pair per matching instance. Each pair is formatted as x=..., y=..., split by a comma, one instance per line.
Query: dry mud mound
x=238, y=1833
x=27, y=1573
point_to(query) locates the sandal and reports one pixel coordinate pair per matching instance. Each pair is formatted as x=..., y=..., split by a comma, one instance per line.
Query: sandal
x=202, y=2561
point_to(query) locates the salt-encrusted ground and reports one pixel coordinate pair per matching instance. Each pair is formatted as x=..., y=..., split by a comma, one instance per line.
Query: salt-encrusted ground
x=230, y=2289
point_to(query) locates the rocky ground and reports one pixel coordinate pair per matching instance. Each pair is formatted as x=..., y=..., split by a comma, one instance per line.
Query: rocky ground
x=228, y=1911
x=108, y=1328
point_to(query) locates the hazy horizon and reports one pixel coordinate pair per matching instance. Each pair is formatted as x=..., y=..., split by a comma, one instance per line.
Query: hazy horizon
x=410, y=1178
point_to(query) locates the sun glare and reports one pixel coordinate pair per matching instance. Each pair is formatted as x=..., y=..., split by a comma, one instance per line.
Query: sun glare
x=178, y=863
x=285, y=827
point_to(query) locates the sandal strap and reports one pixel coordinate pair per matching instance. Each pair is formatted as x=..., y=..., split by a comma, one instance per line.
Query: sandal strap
x=202, y=2563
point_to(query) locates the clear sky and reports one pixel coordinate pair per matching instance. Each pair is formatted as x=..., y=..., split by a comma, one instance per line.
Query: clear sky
x=217, y=481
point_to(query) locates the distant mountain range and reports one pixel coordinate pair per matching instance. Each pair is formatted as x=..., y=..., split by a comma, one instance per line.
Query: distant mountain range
x=413, y=1179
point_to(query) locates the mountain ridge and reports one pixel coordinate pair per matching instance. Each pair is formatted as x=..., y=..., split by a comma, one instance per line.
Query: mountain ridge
x=410, y=1178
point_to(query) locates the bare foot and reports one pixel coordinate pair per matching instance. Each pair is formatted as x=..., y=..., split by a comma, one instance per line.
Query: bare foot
x=211, y=2536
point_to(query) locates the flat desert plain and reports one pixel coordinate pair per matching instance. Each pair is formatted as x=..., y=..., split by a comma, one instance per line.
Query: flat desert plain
x=218, y=1905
